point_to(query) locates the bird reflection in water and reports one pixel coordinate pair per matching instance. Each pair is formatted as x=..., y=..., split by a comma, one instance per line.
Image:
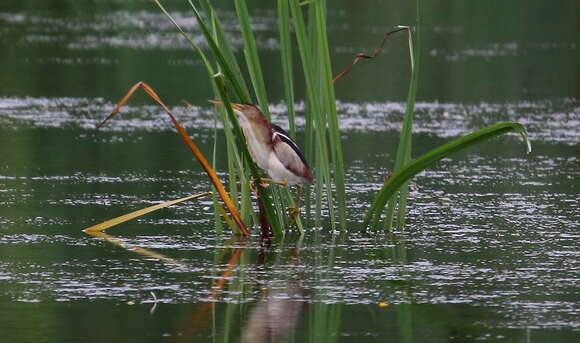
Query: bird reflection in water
x=275, y=316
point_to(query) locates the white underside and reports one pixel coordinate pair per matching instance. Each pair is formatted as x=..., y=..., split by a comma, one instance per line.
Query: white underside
x=278, y=172
x=265, y=157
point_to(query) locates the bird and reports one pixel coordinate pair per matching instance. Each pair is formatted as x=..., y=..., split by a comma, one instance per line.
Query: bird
x=271, y=148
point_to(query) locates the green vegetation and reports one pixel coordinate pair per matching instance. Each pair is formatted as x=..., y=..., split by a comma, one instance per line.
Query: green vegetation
x=401, y=177
x=322, y=129
x=323, y=146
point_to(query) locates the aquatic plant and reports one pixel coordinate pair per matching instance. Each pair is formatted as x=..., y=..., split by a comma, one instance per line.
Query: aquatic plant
x=323, y=145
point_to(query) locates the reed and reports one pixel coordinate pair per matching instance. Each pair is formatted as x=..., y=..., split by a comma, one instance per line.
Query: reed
x=319, y=92
x=286, y=61
x=403, y=155
x=228, y=73
x=126, y=217
x=322, y=122
x=217, y=184
x=328, y=100
x=251, y=56
x=401, y=177
x=322, y=130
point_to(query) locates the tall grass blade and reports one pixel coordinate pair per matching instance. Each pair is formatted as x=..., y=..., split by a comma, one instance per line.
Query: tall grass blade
x=314, y=113
x=266, y=201
x=220, y=210
x=186, y=36
x=251, y=55
x=329, y=106
x=236, y=168
x=286, y=59
x=316, y=139
x=403, y=155
x=230, y=77
x=415, y=58
x=424, y=161
x=217, y=219
x=375, y=54
x=227, y=71
x=245, y=205
x=225, y=68
x=225, y=47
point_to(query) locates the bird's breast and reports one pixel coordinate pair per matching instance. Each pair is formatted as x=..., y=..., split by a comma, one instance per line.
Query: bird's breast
x=259, y=143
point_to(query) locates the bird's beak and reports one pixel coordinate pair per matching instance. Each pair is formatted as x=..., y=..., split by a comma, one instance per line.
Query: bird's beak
x=235, y=106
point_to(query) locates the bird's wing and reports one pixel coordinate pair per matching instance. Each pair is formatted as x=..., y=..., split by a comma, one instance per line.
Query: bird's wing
x=287, y=151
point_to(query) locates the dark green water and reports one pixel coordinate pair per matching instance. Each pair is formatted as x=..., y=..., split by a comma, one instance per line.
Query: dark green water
x=490, y=252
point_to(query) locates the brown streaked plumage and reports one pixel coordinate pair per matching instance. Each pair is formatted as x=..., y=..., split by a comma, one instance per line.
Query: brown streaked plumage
x=271, y=147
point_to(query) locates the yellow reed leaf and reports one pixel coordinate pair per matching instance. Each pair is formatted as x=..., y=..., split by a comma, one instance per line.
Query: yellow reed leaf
x=194, y=149
x=115, y=221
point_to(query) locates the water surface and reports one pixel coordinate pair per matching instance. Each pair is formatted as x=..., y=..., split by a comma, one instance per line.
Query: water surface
x=490, y=249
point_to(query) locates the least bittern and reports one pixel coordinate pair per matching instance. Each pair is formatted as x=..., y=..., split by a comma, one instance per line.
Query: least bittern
x=272, y=149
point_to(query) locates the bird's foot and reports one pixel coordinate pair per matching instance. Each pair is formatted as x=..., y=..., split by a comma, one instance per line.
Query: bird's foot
x=293, y=212
x=252, y=185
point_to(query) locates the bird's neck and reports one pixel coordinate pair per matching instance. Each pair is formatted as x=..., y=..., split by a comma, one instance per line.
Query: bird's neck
x=258, y=128
x=259, y=139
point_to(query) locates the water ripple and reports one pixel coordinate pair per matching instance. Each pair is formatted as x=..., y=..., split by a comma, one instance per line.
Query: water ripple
x=551, y=121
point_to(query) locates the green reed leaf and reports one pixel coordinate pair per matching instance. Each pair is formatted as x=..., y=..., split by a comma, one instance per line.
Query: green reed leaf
x=423, y=162
x=226, y=69
x=251, y=55
x=316, y=123
x=329, y=106
x=286, y=59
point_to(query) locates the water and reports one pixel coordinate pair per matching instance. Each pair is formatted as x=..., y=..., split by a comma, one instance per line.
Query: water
x=490, y=251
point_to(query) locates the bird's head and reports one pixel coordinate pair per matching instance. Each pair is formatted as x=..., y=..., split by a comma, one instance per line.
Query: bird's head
x=247, y=112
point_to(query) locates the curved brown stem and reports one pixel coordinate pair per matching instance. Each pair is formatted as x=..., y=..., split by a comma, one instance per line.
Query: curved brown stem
x=194, y=149
x=361, y=56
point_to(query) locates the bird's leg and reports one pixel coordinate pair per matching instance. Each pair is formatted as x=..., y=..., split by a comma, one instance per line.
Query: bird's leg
x=264, y=225
x=252, y=185
x=295, y=210
x=298, y=195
